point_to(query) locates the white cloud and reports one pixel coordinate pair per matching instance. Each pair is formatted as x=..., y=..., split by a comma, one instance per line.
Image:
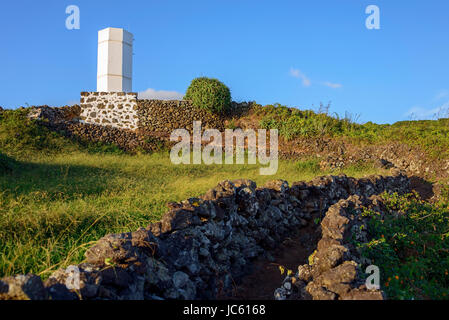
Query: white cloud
x=296, y=73
x=332, y=85
x=160, y=94
x=73, y=102
x=306, y=82
x=419, y=113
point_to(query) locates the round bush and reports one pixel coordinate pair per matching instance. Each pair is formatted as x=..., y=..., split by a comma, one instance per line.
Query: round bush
x=209, y=94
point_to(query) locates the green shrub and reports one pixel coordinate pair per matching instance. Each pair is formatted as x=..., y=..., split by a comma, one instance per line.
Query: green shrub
x=209, y=94
x=432, y=136
x=293, y=123
x=410, y=246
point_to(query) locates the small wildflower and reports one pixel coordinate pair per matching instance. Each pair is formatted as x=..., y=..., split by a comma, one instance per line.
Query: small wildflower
x=281, y=269
x=396, y=277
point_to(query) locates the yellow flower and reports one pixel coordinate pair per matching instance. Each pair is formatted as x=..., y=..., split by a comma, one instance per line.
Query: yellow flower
x=312, y=258
x=281, y=269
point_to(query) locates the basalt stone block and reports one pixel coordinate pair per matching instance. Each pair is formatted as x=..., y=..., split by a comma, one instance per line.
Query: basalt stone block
x=178, y=219
x=22, y=287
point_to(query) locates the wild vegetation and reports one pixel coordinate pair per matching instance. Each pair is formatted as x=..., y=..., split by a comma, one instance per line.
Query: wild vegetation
x=411, y=247
x=57, y=195
x=209, y=94
x=62, y=195
x=6, y=164
x=430, y=135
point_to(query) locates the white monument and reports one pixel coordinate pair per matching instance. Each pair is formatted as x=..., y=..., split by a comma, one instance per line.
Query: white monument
x=115, y=60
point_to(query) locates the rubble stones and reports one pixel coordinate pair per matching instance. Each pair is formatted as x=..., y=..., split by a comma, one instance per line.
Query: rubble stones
x=203, y=245
x=333, y=271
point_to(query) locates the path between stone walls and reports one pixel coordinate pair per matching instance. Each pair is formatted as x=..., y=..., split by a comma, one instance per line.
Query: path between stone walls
x=203, y=247
x=265, y=273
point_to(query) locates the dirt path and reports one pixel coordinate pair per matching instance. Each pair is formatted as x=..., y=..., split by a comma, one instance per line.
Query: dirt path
x=266, y=276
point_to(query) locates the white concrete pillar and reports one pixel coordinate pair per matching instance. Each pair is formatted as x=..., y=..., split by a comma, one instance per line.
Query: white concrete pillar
x=115, y=60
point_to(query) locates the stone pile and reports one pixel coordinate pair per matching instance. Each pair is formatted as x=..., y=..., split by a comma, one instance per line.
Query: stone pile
x=336, y=269
x=201, y=246
x=54, y=115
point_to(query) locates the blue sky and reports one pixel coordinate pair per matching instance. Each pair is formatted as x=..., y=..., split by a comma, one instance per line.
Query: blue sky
x=297, y=53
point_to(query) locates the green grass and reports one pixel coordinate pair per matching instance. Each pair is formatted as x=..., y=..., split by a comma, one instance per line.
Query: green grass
x=432, y=136
x=58, y=196
x=410, y=245
x=6, y=164
x=53, y=205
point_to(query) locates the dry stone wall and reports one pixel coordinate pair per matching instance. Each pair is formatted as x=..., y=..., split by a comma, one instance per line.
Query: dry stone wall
x=335, y=270
x=116, y=109
x=123, y=110
x=165, y=116
x=202, y=245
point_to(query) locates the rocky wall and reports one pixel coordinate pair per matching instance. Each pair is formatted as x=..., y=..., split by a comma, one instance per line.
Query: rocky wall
x=201, y=246
x=335, y=271
x=116, y=109
x=164, y=116
x=125, y=111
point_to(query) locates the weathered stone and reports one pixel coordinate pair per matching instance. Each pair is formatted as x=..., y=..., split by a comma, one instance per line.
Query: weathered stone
x=201, y=245
x=22, y=287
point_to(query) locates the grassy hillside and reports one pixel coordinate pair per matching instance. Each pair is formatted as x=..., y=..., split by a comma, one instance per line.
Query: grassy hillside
x=56, y=204
x=57, y=196
x=430, y=135
x=6, y=164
